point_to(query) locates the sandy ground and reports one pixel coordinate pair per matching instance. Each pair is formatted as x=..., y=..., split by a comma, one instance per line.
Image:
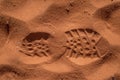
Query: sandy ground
x=52, y=19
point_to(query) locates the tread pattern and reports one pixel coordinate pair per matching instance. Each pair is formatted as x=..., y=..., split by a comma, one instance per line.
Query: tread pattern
x=35, y=48
x=82, y=42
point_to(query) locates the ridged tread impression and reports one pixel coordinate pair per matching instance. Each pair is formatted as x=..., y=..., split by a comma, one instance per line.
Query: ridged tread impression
x=36, y=44
x=84, y=43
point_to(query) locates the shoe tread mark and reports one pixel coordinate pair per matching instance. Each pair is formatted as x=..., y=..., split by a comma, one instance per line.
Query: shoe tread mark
x=82, y=42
